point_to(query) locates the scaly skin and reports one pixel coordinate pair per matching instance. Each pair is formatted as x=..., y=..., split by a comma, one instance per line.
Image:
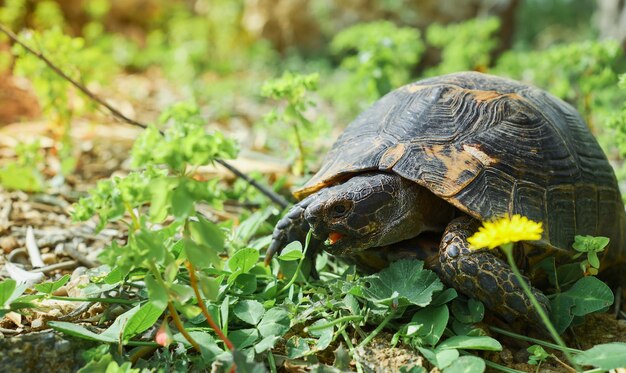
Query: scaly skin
x=484, y=276
x=378, y=209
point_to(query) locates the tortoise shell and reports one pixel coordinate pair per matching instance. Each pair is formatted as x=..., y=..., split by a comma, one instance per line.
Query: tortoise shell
x=491, y=147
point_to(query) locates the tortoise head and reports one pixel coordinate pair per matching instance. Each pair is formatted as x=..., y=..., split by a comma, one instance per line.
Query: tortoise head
x=372, y=210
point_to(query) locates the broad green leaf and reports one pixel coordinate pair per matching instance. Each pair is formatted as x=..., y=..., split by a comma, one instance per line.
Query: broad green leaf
x=444, y=296
x=115, y=330
x=266, y=344
x=243, y=260
x=160, y=202
x=244, y=284
x=50, y=287
x=208, y=348
x=605, y=356
x=430, y=323
x=293, y=251
x=246, y=366
x=200, y=255
x=405, y=280
x=276, y=322
x=561, y=311
x=80, y=331
x=589, y=295
x=181, y=293
x=244, y=337
x=249, y=311
x=465, y=342
x=466, y=364
x=440, y=359
x=151, y=243
x=297, y=347
x=182, y=202
x=7, y=287
x=324, y=336
x=207, y=233
x=210, y=286
x=147, y=315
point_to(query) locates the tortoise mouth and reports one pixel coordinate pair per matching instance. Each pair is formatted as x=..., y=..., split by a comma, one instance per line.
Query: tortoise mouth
x=333, y=238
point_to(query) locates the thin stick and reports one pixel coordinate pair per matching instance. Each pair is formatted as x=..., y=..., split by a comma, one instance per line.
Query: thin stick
x=116, y=113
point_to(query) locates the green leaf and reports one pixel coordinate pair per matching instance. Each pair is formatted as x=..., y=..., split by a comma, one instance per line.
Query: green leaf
x=115, y=330
x=249, y=311
x=405, y=280
x=141, y=320
x=200, y=255
x=444, y=296
x=243, y=260
x=50, y=287
x=156, y=292
x=182, y=202
x=245, y=366
x=207, y=233
x=466, y=364
x=210, y=286
x=324, y=336
x=26, y=178
x=7, y=287
x=585, y=244
x=244, y=284
x=605, y=356
x=266, y=344
x=561, y=311
x=276, y=322
x=160, y=202
x=440, y=359
x=297, y=347
x=243, y=338
x=465, y=342
x=430, y=323
x=291, y=252
x=80, y=332
x=589, y=295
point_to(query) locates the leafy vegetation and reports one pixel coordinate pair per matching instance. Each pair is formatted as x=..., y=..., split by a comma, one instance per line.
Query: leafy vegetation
x=189, y=285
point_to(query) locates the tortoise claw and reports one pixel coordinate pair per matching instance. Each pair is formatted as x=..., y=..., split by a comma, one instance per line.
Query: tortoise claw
x=291, y=227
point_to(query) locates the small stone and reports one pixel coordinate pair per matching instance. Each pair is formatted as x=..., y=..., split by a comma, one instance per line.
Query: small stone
x=49, y=258
x=37, y=324
x=8, y=243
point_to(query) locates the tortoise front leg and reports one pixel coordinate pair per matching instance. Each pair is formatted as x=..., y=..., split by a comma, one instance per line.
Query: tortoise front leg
x=482, y=275
x=294, y=227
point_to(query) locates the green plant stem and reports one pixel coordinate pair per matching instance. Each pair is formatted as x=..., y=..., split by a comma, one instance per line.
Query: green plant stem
x=532, y=340
x=133, y=217
x=100, y=300
x=205, y=311
x=378, y=329
x=352, y=350
x=334, y=322
x=508, y=250
x=299, y=267
x=271, y=362
x=300, y=149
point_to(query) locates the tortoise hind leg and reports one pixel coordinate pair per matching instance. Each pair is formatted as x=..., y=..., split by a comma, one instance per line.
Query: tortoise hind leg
x=482, y=275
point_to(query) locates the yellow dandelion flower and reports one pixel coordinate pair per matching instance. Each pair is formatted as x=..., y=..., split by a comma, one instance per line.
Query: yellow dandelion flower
x=506, y=230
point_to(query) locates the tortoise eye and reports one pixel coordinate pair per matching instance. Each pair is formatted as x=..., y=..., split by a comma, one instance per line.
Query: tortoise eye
x=339, y=209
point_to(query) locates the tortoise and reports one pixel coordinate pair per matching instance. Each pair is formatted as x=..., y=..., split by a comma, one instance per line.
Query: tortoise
x=444, y=154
